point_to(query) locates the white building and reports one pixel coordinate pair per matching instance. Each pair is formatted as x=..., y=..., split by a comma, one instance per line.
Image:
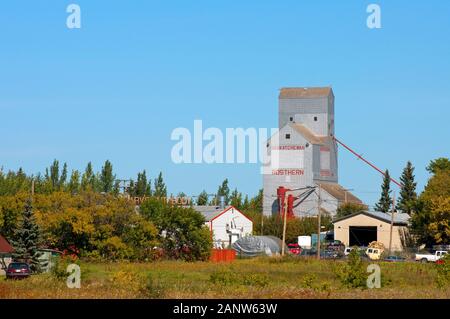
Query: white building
x=226, y=224
x=304, y=154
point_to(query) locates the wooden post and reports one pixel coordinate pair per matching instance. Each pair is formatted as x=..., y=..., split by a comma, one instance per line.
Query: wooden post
x=318, y=222
x=284, y=225
x=392, y=223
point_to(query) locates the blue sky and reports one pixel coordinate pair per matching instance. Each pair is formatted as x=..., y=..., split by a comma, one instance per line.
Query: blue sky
x=116, y=88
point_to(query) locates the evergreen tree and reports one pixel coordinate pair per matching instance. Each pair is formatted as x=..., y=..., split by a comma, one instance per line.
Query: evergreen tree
x=408, y=194
x=160, y=187
x=202, y=198
x=384, y=204
x=107, y=178
x=224, y=191
x=63, y=178
x=74, y=183
x=246, y=203
x=143, y=187
x=439, y=164
x=27, y=240
x=256, y=203
x=236, y=199
x=131, y=189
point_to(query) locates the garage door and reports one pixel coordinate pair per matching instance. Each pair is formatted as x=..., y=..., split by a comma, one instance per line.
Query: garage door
x=362, y=235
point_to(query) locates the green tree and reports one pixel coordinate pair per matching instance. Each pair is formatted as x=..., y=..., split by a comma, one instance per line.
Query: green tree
x=408, y=195
x=27, y=240
x=160, y=187
x=224, y=191
x=256, y=203
x=63, y=178
x=202, y=198
x=384, y=204
x=183, y=231
x=349, y=208
x=442, y=163
x=107, y=178
x=236, y=199
x=74, y=184
x=142, y=187
x=88, y=178
x=245, y=204
x=430, y=220
x=54, y=174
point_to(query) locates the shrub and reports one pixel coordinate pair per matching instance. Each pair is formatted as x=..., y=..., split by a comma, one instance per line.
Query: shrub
x=260, y=280
x=308, y=281
x=154, y=288
x=59, y=267
x=224, y=277
x=114, y=248
x=352, y=274
x=443, y=272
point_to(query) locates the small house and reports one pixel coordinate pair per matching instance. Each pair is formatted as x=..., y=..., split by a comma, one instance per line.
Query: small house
x=227, y=225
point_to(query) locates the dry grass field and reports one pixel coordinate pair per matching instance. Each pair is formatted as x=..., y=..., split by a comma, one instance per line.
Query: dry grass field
x=251, y=278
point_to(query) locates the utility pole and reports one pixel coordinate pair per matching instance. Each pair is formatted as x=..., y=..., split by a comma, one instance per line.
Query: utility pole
x=318, y=222
x=284, y=225
x=262, y=223
x=392, y=223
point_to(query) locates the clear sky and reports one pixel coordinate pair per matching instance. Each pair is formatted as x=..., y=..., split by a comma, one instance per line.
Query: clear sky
x=116, y=88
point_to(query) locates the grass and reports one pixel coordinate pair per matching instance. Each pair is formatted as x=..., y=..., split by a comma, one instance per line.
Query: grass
x=246, y=278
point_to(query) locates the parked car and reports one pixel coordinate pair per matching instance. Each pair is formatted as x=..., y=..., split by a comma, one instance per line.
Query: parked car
x=18, y=270
x=330, y=254
x=335, y=246
x=424, y=258
x=295, y=249
x=308, y=252
x=374, y=253
x=361, y=250
x=348, y=250
x=394, y=259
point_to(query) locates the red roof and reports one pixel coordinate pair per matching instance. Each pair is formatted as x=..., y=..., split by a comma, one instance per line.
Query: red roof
x=5, y=247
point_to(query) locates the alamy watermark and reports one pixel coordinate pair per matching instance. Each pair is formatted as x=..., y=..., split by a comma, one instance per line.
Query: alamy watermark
x=374, y=279
x=231, y=146
x=374, y=19
x=74, y=278
x=73, y=21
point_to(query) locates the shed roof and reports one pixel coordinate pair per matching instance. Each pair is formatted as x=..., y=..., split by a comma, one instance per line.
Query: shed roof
x=304, y=92
x=339, y=192
x=5, y=247
x=401, y=219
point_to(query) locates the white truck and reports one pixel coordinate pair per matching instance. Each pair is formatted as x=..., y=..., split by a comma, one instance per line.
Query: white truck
x=424, y=258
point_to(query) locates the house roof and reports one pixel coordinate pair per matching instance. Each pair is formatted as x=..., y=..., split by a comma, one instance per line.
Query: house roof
x=209, y=212
x=339, y=192
x=400, y=219
x=5, y=247
x=308, y=134
x=304, y=92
